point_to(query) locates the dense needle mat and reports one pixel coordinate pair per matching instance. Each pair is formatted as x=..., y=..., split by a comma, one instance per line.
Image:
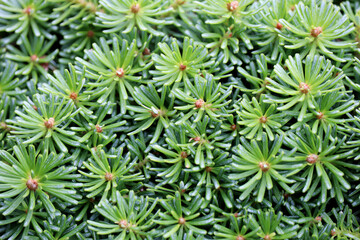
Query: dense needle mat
x=179, y=119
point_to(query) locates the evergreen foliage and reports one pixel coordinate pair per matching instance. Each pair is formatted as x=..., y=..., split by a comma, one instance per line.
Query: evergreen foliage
x=179, y=119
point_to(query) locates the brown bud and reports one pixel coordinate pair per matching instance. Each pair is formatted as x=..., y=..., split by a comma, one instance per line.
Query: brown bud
x=109, y=176
x=184, y=155
x=233, y=127
x=98, y=128
x=267, y=237
x=312, y=158
x=228, y=34
x=318, y=218
x=316, y=31
x=28, y=10
x=49, y=123
x=263, y=119
x=208, y=169
x=279, y=26
x=32, y=184
x=320, y=115
x=123, y=224
x=240, y=238
x=120, y=72
x=181, y=220
x=232, y=6
x=146, y=51
x=135, y=8
x=154, y=115
x=35, y=107
x=182, y=67
x=90, y=34
x=199, y=103
x=197, y=139
x=304, y=88
x=34, y=58
x=73, y=95
x=333, y=232
x=264, y=166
